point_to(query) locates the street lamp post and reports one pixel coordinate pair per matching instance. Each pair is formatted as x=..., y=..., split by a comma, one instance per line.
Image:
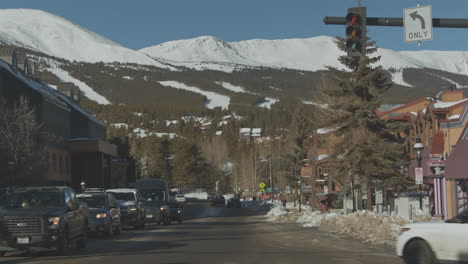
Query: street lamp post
x=299, y=191
x=419, y=147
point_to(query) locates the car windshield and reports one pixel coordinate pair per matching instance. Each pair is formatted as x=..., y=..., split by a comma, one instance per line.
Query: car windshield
x=180, y=195
x=33, y=199
x=94, y=201
x=123, y=196
x=153, y=196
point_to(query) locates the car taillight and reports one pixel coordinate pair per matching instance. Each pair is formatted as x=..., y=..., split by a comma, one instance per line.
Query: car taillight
x=405, y=229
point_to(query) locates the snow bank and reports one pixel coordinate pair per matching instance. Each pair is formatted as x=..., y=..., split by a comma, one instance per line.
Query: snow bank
x=363, y=225
x=197, y=196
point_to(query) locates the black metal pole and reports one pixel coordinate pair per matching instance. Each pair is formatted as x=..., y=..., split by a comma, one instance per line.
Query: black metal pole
x=398, y=22
x=420, y=185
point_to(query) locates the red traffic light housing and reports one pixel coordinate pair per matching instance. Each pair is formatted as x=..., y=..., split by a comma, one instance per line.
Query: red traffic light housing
x=356, y=31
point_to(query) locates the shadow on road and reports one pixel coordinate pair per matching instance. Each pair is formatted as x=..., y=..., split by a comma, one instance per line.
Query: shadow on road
x=118, y=248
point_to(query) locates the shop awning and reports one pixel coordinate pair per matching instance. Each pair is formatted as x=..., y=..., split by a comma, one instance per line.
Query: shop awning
x=456, y=166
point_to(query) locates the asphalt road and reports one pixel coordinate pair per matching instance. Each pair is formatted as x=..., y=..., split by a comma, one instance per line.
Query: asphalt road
x=219, y=235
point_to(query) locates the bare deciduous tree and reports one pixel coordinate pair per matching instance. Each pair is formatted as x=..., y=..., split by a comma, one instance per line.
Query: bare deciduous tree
x=19, y=130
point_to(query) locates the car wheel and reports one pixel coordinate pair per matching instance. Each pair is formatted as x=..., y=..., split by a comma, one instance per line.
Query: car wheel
x=142, y=224
x=81, y=243
x=419, y=252
x=109, y=232
x=180, y=221
x=2, y=253
x=118, y=230
x=167, y=222
x=62, y=244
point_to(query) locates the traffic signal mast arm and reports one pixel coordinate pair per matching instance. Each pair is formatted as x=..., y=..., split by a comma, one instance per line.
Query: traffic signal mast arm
x=398, y=22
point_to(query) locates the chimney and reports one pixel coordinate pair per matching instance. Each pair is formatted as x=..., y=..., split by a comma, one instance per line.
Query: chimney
x=66, y=88
x=76, y=94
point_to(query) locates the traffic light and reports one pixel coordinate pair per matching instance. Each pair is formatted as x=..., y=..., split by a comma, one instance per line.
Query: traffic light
x=356, y=31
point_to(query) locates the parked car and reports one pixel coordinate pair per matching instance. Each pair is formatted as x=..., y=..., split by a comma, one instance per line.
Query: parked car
x=218, y=200
x=180, y=198
x=434, y=242
x=132, y=209
x=41, y=218
x=234, y=203
x=104, y=213
x=176, y=212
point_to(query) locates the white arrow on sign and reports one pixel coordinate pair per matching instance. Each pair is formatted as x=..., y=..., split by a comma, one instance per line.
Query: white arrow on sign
x=418, y=23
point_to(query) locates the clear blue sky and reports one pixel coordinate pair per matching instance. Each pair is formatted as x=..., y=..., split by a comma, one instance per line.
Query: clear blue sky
x=141, y=23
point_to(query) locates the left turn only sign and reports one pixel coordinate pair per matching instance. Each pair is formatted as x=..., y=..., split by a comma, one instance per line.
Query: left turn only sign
x=418, y=23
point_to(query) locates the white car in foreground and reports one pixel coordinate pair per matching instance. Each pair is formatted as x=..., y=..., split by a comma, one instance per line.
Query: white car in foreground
x=435, y=242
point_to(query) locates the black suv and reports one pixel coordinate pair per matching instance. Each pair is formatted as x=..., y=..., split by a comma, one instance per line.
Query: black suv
x=218, y=200
x=41, y=218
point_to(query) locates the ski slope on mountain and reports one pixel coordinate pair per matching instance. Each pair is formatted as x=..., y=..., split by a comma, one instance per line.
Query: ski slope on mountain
x=311, y=54
x=212, y=99
x=87, y=91
x=56, y=36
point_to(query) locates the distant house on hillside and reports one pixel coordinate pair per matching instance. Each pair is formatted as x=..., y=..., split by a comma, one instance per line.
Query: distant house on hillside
x=256, y=132
x=244, y=133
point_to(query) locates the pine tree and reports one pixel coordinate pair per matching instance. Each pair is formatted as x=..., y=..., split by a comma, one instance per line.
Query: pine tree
x=370, y=149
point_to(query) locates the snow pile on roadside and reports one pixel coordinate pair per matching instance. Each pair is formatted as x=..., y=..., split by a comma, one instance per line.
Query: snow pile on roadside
x=363, y=225
x=197, y=196
x=276, y=212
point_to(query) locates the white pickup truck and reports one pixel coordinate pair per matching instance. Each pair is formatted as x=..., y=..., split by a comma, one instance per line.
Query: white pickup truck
x=435, y=242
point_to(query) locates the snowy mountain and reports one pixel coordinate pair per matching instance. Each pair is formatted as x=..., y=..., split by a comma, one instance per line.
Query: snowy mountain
x=263, y=84
x=311, y=54
x=55, y=36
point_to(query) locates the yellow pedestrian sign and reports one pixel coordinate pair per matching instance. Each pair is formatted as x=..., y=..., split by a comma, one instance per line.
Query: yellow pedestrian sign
x=262, y=185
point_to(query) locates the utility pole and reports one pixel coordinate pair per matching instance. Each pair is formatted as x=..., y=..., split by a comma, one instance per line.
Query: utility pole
x=271, y=175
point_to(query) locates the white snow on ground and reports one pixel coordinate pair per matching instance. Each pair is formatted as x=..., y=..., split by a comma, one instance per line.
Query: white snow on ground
x=213, y=99
x=120, y=125
x=275, y=212
x=88, y=91
x=363, y=225
x=326, y=130
x=397, y=77
x=197, y=196
x=314, y=103
x=268, y=102
x=231, y=87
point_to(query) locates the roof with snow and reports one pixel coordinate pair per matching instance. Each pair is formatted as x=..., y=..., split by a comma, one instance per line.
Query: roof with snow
x=49, y=92
x=442, y=105
x=326, y=130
